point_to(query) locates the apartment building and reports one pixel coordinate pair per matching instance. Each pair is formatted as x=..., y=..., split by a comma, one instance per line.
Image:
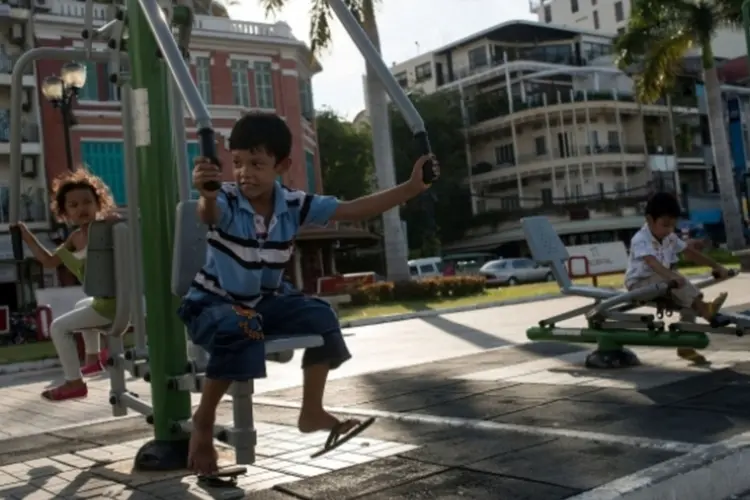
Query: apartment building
x=553, y=128
x=238, y=66
x=611, y=16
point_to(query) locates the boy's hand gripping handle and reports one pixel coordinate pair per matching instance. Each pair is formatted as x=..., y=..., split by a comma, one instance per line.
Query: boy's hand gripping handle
x=423, y=145
x=207, y=144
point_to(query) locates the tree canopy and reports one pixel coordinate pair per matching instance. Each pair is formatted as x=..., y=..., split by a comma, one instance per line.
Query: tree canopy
x=660, y=33
x=346, y=162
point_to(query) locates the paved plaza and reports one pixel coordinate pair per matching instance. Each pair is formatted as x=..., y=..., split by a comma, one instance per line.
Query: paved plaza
x=466, y=409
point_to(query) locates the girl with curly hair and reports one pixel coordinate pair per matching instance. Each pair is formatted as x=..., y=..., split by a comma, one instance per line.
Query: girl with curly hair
x=78, y=199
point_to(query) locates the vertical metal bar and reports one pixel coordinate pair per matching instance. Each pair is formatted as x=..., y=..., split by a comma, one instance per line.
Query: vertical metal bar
x=116, y=369
x=158, y=198
x=243, y=432
x=138, y=314
x=178, y=140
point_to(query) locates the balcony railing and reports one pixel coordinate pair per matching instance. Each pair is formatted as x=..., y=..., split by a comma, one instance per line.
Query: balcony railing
x=74, y=9
x=30, y=132
x=33, y=205
x=574, y=207
x=493, y=105
x=606, y=149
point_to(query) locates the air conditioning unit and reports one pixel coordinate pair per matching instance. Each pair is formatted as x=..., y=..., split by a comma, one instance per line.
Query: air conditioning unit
x=28, y=167
x=17, y=33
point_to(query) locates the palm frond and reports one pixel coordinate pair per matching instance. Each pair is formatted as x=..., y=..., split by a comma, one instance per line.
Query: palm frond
x=728, y=12
x=272, y=7
x=661, y=64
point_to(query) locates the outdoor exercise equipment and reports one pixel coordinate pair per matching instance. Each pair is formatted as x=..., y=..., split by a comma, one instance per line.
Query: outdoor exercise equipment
x=610, y=325
x=141, y=255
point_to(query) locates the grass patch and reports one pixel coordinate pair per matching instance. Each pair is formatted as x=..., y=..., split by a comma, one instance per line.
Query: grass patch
x=349, y=313
x=45, y=350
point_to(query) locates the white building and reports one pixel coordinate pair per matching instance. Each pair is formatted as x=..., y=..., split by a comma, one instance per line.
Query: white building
x=553, y=128
x=611, y=16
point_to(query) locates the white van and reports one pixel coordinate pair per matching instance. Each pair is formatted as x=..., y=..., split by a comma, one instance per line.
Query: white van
x=429, y=267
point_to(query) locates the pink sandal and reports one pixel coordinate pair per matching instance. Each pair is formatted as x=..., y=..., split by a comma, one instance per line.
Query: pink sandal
x=65, y=392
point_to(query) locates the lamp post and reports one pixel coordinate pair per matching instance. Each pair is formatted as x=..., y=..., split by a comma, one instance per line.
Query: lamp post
x=60, y=91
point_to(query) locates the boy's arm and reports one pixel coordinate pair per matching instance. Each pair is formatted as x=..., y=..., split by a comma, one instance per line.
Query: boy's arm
x=660, y=269
x=643, y=248
x=369, y=206
x=374, y=204
x=700, y=258
x=214, y=210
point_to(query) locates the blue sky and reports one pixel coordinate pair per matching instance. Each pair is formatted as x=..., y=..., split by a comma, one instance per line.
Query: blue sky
x=404, y=33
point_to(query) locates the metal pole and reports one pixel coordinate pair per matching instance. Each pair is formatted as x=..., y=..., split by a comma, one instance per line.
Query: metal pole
x=65, y=109
x=178, y=140
x=138, y=314
x=16, y=104
x=158, y=199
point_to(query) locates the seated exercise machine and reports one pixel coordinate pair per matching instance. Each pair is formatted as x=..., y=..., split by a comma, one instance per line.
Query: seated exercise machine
x=609, y=324
x=120, y=263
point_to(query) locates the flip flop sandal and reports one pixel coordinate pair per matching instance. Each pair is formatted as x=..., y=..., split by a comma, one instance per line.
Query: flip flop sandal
x=695, y=358
x=223, y=478
x=336, y=439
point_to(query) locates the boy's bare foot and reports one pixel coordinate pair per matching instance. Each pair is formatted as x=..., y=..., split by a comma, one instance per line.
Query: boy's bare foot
x=321, y=420
x=692, y=355
x=202, y=457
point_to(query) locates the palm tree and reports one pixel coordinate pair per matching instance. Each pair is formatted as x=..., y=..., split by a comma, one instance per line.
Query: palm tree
x=377, y=109
x=658, y=36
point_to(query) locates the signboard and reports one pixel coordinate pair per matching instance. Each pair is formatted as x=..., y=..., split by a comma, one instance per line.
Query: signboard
x=344, y=283
x=596, y=259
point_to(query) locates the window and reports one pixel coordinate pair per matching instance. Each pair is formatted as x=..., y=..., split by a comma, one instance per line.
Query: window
x=427, y=269
x=423, y=72
x=547, y=14
x=613, y=141
x=596, y=19
x=310, y=170
x=90, y=91
x=573, y=6
x=546, y=196
x=306, y=99
x=193, y=150
x=240, y=84
x=620, y=31
x=510, y=202
x=203, y=77
x=105, y=160
x=264, y=85
x=413, y=270
x=504, y=155
x=540, y=146
x=402, y=79
x=478, y=58
x=593, y=2
x=619, y=12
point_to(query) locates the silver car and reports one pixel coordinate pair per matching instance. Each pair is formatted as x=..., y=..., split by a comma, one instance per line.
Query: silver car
x=514, y=271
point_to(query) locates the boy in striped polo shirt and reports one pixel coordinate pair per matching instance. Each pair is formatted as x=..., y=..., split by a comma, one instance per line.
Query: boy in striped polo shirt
x=237, y=297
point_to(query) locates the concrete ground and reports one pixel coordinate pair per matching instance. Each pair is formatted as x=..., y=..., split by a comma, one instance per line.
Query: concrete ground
x=466, y=409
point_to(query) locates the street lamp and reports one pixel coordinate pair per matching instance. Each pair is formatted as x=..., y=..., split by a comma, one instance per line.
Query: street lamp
x=60, y=92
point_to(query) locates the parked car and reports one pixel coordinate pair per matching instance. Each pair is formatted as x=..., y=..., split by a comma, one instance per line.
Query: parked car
x=429, y=267
x=514, y=271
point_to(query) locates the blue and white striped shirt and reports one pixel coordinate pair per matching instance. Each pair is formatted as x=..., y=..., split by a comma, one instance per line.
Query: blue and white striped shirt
x=245, y=259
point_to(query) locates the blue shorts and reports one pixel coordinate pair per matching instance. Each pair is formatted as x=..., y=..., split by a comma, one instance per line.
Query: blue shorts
x=233, y=335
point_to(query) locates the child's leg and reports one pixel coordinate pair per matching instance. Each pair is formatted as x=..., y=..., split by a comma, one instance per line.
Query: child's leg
x=689, y=297
x=61, y=333
x=296, y=314
x=235, y=354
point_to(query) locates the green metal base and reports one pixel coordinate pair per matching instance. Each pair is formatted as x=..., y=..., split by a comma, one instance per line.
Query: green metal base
x=163, y=455
x=613, y=358
x=613, y=339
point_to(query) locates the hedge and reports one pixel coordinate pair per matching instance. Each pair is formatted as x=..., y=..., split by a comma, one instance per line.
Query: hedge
x=425, y=289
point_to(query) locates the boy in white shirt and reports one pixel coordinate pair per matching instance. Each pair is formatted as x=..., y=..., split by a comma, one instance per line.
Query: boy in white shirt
x=653, y=251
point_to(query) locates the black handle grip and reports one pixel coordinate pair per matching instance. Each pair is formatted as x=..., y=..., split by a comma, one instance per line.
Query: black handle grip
x=423, y=145
x=673, y=284
x=207, y=145
x=16, y=242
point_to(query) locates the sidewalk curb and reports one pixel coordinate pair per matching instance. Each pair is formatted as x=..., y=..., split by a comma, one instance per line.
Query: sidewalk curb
x=711, y=472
